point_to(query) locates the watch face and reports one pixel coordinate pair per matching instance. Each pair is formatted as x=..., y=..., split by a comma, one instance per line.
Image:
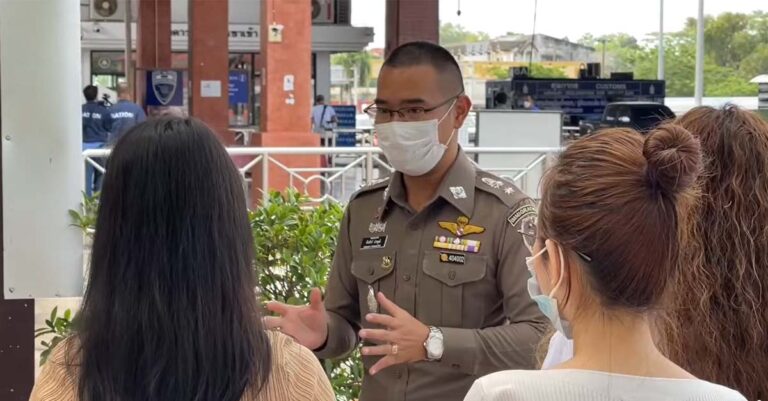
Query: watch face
x=435, y=346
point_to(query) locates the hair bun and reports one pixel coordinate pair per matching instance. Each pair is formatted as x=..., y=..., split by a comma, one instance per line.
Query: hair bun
x=674, y=159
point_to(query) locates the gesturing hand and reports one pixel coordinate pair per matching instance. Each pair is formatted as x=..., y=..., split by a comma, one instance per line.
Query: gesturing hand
x=402, y=342
x=307, y=324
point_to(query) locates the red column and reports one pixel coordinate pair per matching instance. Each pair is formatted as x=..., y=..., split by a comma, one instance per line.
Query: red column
x=209, y=64
x=285, y=112
x=411, y=20
x=153, y=40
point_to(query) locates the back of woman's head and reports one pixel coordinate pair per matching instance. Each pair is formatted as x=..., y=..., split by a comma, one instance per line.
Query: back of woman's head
x=616, y=198
x=718, y=321
x=170, y=311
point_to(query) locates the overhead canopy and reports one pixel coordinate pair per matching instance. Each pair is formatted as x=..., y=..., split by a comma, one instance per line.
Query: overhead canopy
x=760, y=79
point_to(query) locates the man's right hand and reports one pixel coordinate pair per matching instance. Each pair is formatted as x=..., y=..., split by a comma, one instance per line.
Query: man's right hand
x=307, y=324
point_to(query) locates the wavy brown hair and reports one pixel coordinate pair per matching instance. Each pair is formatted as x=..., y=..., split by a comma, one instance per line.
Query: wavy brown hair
x=717, y=325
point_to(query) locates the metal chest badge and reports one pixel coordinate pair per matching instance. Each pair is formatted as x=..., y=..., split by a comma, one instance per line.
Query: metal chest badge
x=461, y=227
x=386, y=262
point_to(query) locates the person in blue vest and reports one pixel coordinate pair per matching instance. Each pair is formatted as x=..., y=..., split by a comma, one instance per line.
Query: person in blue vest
x=124, y=114
x=96, y=126
x=530, y=104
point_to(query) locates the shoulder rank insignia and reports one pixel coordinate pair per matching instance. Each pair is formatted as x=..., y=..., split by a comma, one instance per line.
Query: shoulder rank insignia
x=461, y=227
x=495, y=184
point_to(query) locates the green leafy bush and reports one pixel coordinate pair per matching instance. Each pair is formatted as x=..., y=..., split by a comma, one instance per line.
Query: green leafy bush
x=85, y=218
x=294, y=245
x=294, y=249
x=60, y=327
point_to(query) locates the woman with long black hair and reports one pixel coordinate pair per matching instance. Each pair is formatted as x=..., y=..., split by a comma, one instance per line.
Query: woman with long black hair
x=170, y=311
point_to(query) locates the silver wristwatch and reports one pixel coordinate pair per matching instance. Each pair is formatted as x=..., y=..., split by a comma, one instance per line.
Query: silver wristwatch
x=434, y=344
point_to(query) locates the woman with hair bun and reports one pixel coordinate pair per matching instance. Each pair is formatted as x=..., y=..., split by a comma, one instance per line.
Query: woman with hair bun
x=604, y=252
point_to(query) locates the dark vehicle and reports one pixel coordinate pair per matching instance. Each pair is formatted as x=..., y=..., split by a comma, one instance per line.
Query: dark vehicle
x=640, y=116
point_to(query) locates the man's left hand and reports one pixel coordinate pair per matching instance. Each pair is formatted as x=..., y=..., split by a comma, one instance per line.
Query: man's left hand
x=402, y=341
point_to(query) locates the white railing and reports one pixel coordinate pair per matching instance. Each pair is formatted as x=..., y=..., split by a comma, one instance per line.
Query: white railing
x=347, y=169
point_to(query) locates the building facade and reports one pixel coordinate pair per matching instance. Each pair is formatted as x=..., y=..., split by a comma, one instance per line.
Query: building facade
x=103, y=44
x=520, y=48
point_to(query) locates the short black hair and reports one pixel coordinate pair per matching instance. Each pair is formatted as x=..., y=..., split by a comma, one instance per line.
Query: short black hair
x=319, y=98
x=425, y=53
x=90, y=92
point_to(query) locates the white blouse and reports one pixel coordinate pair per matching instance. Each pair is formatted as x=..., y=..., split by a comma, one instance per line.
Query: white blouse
x=587, y=385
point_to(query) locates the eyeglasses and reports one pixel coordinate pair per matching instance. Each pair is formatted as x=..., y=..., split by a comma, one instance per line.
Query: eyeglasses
x=410, y=113
x=528, y=232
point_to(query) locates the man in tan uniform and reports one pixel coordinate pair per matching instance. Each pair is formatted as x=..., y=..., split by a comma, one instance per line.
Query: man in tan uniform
x=429, y=269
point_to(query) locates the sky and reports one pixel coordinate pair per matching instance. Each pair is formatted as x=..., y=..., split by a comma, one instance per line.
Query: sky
x=560, y=18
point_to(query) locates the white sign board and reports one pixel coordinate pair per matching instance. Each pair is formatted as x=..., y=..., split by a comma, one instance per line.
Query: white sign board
x=210, y=88
x=518, y=129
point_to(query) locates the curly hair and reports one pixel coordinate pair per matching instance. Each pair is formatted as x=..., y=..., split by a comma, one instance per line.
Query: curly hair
x=717, y=324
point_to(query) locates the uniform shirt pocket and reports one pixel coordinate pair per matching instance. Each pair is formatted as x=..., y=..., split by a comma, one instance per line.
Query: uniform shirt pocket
x=454, y=273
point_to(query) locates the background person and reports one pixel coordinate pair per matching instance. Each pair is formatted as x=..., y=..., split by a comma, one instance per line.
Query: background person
x=125, y=113
x=607, y=245
x=323, y=116
x=530, y=104
x=170, y=311
x=428, y=269
x=717, y=325
x=96, y=127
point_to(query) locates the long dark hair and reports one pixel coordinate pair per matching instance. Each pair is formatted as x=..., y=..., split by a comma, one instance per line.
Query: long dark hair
x=170, y=311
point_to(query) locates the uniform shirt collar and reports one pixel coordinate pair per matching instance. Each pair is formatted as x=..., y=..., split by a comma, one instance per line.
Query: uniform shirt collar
x=457, y=188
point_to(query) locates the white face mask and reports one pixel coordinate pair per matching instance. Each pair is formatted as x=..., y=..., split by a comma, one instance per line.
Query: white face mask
x=413, y=148
x=527, y=104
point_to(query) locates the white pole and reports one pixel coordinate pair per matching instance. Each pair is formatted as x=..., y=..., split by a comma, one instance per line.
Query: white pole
x=355, y=77
x=43, y=170
x=699, y=92
x=660, y=71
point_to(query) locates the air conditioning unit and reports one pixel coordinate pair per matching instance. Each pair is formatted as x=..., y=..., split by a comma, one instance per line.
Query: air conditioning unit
x=107, y=10
x=344, y=12
x=323, y=11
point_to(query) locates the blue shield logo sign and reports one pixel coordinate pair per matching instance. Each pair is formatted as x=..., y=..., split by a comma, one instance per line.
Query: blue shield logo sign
x=164, y=85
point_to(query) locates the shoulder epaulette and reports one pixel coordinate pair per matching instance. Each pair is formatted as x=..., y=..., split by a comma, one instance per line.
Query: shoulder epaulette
x=504, y=189
x=370, y=187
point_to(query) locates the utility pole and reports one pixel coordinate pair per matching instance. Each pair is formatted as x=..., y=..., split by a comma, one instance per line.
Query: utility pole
x=660, y=70
x=699, y=92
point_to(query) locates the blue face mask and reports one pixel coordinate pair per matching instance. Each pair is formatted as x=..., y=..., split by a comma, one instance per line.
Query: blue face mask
x=548, y=304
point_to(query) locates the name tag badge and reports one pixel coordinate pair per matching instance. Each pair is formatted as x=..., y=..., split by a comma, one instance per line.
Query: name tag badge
x=374, y=242
x=453, y=258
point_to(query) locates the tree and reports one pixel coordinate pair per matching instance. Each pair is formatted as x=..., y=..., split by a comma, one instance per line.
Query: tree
x=454, y=34
x=360, y=61
x=756, y=63
x=736, y=49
